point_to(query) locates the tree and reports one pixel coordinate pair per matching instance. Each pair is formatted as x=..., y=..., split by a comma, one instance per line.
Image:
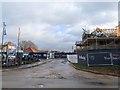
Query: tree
x=27, y=44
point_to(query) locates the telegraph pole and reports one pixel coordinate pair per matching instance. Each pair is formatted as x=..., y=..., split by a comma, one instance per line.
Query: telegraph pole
x=18, y=42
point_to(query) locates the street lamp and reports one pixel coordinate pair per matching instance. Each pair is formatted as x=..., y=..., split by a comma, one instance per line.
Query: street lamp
x=3, y=33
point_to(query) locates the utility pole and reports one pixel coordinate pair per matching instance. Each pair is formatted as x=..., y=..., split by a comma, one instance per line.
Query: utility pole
x=18, y=45
x=18, y=41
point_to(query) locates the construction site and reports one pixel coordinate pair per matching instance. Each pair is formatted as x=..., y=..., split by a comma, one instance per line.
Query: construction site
x=100, y=39
x=100, y=47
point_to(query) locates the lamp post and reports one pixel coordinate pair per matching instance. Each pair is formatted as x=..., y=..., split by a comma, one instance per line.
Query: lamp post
x=3, y=33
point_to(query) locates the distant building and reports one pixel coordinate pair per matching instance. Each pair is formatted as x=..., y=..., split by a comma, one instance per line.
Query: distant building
x=8, y=46
x=31, y=50
x=9, y=51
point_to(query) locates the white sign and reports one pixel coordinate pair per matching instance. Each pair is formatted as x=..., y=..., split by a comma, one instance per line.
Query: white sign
x=72, y=58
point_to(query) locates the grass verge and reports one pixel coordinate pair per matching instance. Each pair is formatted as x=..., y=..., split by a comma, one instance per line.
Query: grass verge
x=108, y=70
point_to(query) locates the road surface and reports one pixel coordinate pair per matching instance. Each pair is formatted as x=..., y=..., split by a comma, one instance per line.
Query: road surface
x=57, y=73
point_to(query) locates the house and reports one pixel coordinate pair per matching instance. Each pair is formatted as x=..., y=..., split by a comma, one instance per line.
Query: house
x=30, y=50
x=9, y=51
x=100, y=47
x=8, y=46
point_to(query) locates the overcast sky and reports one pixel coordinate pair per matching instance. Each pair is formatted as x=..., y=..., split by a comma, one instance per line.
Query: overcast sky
x=56, y=25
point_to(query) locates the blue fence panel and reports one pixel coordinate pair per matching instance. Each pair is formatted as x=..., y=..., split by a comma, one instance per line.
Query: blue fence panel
x=99, y=59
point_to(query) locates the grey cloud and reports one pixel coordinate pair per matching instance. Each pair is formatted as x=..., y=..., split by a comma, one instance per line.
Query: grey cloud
x=95, y=7
x=55, y=25
x=92, y=12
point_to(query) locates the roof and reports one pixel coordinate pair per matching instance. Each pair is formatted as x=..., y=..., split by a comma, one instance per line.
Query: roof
x=30, y=50
x=10, y=43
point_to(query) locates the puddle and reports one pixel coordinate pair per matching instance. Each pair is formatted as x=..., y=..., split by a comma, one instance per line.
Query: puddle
x=96, y=83
x=52, y=76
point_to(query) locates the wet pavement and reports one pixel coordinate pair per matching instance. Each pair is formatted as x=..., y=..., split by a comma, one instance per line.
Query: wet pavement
x=57, y=73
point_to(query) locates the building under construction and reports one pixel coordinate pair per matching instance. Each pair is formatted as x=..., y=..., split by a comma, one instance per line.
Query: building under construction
x=100, y=47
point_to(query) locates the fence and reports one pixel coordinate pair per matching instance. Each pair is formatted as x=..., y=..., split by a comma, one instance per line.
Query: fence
x=99, y=57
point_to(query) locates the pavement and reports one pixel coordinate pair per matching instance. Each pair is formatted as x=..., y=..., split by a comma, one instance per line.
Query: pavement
x=43, y=61
x=55, y=73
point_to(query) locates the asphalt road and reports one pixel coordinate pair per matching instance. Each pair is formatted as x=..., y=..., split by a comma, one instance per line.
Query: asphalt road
x=57, y=73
